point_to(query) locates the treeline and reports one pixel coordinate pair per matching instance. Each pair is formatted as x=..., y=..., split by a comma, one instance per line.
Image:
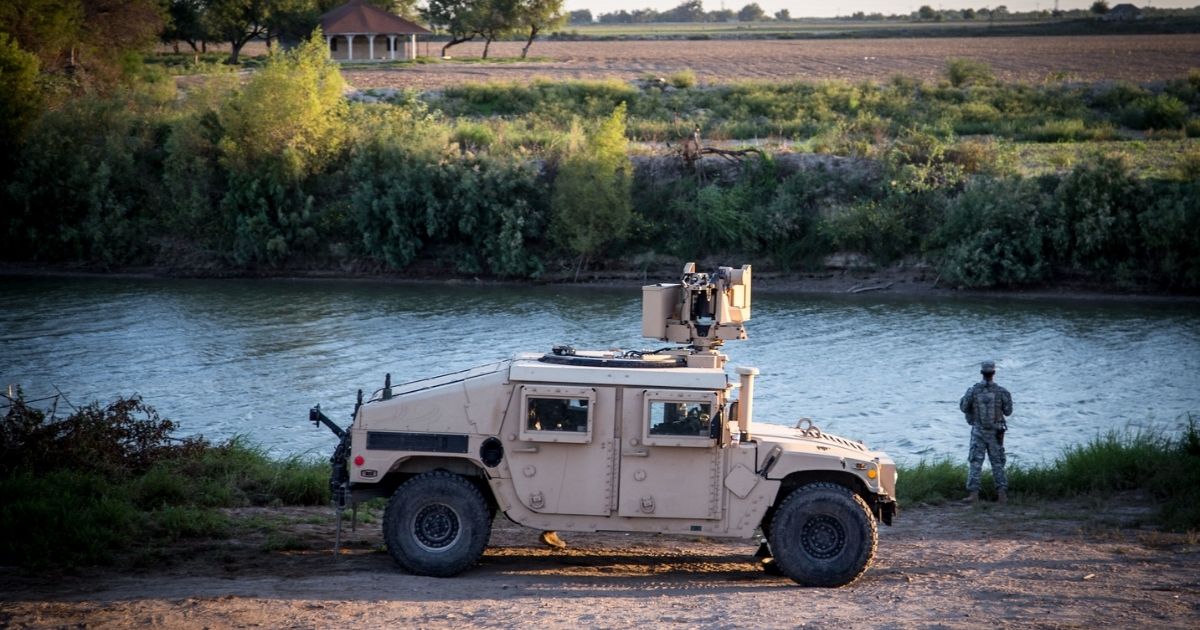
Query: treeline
x=282, y=173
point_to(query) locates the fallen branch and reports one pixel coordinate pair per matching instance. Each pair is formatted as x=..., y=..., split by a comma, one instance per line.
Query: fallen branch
x=878, y=287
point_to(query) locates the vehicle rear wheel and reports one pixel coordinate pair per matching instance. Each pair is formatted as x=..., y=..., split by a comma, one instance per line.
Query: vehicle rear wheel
x=437, y=524
x=823, y=534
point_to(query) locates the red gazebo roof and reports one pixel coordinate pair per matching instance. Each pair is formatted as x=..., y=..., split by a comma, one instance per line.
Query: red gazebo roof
x=358, y=17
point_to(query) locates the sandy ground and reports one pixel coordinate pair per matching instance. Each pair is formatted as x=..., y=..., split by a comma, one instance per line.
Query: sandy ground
x=1137, y=58
x=1074, y=564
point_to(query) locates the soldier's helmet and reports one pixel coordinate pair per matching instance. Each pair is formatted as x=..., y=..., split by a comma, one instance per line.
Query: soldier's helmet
x=987, y=367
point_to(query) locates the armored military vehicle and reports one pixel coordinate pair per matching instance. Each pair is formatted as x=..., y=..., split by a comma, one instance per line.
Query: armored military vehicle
x=656, y=441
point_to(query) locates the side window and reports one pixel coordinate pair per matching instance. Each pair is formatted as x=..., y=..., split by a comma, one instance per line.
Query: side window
x=680, y=418
x=557, y=414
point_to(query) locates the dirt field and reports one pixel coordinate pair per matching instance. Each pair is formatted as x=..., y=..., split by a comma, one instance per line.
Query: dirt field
x=1139, y=58
x=1058, y=565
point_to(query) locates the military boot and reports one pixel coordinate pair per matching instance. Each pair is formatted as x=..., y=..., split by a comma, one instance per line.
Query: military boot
x=972, y=498
x=1002, y=496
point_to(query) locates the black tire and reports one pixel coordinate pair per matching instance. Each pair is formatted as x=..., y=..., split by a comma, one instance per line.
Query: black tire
x=823, y=534
x=437, y=524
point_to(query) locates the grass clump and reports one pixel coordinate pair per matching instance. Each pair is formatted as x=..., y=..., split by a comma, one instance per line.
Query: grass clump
x=78, y=490
x=1166, y=467
x=682, y=79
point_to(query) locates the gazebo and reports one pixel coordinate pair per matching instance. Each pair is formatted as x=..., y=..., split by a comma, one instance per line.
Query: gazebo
x=352, y=29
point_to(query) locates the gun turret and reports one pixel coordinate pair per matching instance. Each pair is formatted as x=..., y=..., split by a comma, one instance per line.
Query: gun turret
x=703, y=310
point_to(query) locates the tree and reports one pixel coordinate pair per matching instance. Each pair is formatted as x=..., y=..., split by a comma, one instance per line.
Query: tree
x=495, y=19
x=237, y=22
x=88, y=35
x=1099, y=7
x=783, y=15
x=20, y=98
x=926, y=12
x=185, y=23
x=582, y=16
x=591, y=200
x=688, y=11
x=751, y=13
x=458, y=18
x=968, y=14
x=536, y=16
x=45, y=28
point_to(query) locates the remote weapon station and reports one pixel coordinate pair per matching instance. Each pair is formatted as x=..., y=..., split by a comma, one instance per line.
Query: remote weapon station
x=581, y=441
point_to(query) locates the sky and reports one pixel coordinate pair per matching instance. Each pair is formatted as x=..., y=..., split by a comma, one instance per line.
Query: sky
x=831, y=8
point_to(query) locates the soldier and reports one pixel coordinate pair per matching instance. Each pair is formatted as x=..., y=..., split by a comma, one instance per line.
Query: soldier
x=985, y=405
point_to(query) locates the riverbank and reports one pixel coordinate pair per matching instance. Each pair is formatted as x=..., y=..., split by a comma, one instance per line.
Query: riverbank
x=1089, y=562
x=919, y=280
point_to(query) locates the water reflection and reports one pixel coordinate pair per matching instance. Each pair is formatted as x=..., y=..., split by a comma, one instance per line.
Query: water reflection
x=250, y=357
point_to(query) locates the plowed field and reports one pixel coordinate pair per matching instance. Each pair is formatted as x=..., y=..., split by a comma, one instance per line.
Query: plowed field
x=1138, y=58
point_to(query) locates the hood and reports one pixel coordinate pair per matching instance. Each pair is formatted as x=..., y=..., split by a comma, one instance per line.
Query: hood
x=792, y=439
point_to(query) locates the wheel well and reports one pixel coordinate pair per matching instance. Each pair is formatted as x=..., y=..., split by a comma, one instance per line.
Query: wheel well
x=805, y=477
x=406, y=469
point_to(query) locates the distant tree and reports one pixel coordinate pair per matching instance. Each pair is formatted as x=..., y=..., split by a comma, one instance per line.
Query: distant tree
x=1099, y=7
x=858, y=15
x=184, y=23
x=535, y=16
x=968, y=14
x=1000, y=11
x=783, y=15
x=721, y=15
x=237, y=22
x=926, y=12
x=751, y=13
x=582, y=16
x=688, y=11
x=407, y=9
x=495, y=19
x=458, y=18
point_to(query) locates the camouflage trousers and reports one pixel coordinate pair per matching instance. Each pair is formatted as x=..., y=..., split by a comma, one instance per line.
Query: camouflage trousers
x=985, y=442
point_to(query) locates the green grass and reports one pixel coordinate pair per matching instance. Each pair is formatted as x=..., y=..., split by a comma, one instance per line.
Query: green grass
x=1167, y=467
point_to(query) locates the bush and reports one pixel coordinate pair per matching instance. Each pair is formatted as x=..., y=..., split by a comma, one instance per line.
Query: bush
x=962, y=72
x=1096, y=207
x=995, y=233
x=682, y=79
x=1155, y=112
x=79, y=489
x=591, y=200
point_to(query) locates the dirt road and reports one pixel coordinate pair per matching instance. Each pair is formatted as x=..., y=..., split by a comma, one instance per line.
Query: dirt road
x=1136, y=58
x=1038, y=565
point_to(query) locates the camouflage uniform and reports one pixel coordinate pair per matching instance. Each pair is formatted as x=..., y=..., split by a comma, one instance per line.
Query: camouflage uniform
x=985, y=405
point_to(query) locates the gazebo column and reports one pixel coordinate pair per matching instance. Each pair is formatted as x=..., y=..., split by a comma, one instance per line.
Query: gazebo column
x=329, y=45
x=349, y=48
x=392, y=46
x=371, y=47
x=414, y=55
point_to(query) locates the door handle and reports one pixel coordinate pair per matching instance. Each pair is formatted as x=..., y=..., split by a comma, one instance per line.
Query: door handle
x=526, y=449
x=636, y=454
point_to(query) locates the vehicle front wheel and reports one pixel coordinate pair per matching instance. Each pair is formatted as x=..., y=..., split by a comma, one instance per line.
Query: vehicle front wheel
x=437, y=524
x=823, y=534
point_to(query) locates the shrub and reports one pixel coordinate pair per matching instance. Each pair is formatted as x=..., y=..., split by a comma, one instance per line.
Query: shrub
x=1170, y=229
x=1096, y=205
x=995, y=233
x=591, y=203
x=962, y=72
x=682, y=79
x=1155, y=112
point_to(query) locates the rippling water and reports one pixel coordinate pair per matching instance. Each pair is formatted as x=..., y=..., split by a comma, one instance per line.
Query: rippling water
x=250, y=357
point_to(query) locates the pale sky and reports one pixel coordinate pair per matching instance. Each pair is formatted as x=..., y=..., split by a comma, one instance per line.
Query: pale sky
x=831, y=8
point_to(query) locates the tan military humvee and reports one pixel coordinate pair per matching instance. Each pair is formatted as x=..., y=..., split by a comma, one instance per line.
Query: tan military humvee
x=582, y=441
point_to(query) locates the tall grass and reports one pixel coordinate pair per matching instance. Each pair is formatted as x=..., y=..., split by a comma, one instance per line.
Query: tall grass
x=1166, y=467
x=79, y=490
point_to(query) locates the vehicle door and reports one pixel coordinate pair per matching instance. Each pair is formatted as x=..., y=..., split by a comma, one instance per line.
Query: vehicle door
x=562, y=459
x=670, y=465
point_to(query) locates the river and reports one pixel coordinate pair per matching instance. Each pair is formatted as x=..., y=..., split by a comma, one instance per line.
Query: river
x=229, y=357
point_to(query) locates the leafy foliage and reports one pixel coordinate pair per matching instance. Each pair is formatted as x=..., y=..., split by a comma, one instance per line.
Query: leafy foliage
x=591, y=203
